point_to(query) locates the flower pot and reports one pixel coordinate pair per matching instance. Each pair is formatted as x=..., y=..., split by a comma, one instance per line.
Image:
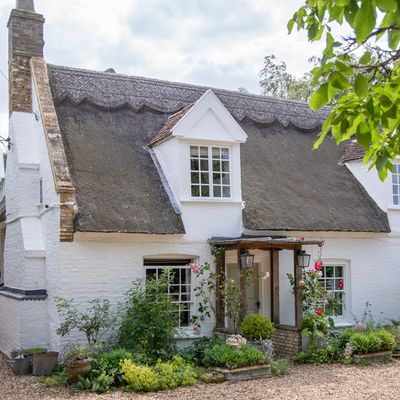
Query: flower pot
x=43, y=363
x=79, y=368
x=21, y=366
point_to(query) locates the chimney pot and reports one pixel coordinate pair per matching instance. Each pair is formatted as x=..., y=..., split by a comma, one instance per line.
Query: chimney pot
x=26, y=5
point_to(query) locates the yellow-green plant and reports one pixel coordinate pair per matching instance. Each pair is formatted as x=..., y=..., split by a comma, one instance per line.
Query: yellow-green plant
x=140, y=378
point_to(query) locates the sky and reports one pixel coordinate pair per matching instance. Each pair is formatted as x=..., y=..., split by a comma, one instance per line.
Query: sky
x=218, y=43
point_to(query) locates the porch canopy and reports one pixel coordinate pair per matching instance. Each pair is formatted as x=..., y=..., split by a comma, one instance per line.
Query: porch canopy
x=273, y=245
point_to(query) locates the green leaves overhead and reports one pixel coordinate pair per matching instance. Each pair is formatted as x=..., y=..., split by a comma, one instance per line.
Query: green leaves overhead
x=358, y=74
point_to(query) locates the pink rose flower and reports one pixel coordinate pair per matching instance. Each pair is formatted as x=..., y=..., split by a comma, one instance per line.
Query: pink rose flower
x=302, y=283
x=195, y=267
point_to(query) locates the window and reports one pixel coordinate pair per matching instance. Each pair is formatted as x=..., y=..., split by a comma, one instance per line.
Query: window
x=210, y=172
x=333, y=280
x=396, y=185
x=181, y=287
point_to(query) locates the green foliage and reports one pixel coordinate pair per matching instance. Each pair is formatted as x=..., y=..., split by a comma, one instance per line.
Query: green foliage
x=371, y=342
x=222, y=355
x=256, y=327
x=279, y=367
x=94, y=322
x=195, y=353
x=75, y=352
x=99, y=383
x=109, y=364
x=315, y=356
x=163, y=375
x=149, y=323
x=277, y=82
x=57, y=378
x=360, y=70
x=395, y=331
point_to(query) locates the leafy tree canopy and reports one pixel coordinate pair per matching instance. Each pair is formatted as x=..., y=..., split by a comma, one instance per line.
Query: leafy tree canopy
x=361, y=69
x=276, y=81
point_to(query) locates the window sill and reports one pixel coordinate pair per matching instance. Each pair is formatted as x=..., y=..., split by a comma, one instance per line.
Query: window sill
x=211, y=200
x=343, y=324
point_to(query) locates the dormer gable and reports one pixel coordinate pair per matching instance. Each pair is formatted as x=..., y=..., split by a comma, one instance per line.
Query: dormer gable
x=206, y=119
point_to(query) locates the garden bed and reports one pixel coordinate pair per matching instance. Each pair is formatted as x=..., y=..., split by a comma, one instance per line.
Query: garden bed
x=381, y=356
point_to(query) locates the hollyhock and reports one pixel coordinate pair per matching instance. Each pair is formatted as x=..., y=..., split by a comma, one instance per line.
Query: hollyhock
x=340, y=284
x=319, y=311
x=302, y=283
x=318, y=265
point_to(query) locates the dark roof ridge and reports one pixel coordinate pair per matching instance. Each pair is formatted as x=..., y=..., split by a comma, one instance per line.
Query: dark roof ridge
x=183, y=84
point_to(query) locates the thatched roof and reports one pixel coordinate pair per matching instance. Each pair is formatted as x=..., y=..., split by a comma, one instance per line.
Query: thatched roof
x=107, y=121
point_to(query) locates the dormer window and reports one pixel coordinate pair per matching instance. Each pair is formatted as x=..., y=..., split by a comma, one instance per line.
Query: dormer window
x=210, y=172
x=396, y=184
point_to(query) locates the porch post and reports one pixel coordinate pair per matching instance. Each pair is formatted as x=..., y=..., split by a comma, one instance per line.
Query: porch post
x=243, y=305
x=275, y=286
x=298, y=304
x=219, y=304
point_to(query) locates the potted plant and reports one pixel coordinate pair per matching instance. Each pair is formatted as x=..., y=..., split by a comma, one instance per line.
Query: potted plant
x=256, y=329
x=77, y=360
x=44, y=362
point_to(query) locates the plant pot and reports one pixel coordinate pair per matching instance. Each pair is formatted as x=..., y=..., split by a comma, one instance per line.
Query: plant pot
x=43, y=363
x=255, y=344
x=245, y=373
x=21, y=366
x=380, y=356
x=79, y=368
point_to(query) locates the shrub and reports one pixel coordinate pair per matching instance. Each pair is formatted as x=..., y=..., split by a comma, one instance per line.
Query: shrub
x=371, y=342
x=100, y=383
x=222, y=355
x=139, y=377
x=94, y=322
x=57, y=378
x=163, y=375
x=395, y=331
x=256, y=327
x=109, y=364
x=279, y=367
x=195, y=353
x=149, y=323
x=316, y=356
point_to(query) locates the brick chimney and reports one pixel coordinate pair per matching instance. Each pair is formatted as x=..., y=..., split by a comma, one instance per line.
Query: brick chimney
x=25, y=40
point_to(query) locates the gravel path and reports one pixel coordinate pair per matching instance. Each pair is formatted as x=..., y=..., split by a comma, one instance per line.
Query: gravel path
x=304, y=382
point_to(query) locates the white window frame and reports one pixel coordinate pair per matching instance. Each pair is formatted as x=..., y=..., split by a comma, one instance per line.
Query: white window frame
x=211, y=172
x=345, y=317
x=391, y=179
x=190, y=302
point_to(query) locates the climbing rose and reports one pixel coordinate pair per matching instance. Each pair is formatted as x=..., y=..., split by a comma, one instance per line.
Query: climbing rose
x=302, y=283
x=318, y=265
x=195, y=268
x=319, y=311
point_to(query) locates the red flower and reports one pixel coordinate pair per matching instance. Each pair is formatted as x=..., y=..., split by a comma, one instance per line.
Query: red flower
x=302, y=239
x=319, y=311
x=318, y=265
x=340, y=284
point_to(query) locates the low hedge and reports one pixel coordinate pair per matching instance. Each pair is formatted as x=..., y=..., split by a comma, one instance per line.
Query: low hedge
x=372, y=342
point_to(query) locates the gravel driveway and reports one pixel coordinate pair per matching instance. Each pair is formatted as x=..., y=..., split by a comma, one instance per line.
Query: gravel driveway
x=304, y=382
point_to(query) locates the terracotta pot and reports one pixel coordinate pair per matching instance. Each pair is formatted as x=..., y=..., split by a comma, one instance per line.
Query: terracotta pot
x=79, y=368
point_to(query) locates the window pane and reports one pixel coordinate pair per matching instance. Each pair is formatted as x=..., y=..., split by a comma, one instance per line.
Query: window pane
x=194, y=176
x=225, y=166
x=194, y=151
x=225, y=154
x=216, y=152
x=395, y=178
x=329, y=272
x=225, y=179
x=396, y=200
x=217, y=178
x=151, y=273
x=216, y=166
x=205, y=192
x=395, y=189
x=194, y=165
x=217, y=191
x=226, y=191
x=339, y=271
x=329, y=284
x=203, y=152
x=339, y=284
x=204, y=177
x=204, y=165
x=195, y=191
